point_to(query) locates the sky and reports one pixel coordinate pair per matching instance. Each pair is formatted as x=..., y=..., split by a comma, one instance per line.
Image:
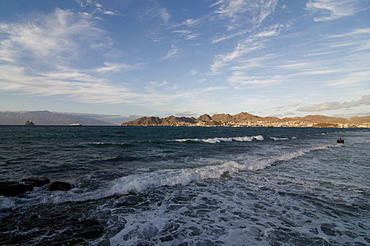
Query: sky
x=281, y=58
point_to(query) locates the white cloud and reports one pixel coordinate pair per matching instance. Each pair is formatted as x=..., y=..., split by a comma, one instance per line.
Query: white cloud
x=192, y=73
x=48, y=37
x=253, y=43
x=158, y=84
x=240, y=80
x=171, y=53
x=212, y=88
x=115, y=67
x=294, y=105
x=164, y=15
x=187, y=34
x=335, y=9
x=36, y=57
x=365, y=100
x=244, y=16
x=223, y=38
x=96, y=8
x=74, y=84
x=258, y=10
x=107, y=12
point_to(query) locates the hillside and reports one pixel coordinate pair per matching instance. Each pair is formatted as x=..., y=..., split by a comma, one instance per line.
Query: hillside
x=246, y=119
x=46, y=118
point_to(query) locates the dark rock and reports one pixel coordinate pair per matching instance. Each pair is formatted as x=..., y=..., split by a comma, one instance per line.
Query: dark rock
x=12, y=188
x=36, y=182
x=61, y=186
x=29, y=123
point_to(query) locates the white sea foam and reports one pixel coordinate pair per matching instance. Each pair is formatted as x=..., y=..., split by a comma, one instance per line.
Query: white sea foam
x=6, y=202
x=218, y=140
x=97, y=143
x=278, y=138
x=143, y=182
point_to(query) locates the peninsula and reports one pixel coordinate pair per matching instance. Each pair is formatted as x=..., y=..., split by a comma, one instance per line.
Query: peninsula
x=244, y=119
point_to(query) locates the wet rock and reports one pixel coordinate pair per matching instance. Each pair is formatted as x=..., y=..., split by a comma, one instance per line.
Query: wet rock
x=61, y=186
x=12, y=188
x=36, y=182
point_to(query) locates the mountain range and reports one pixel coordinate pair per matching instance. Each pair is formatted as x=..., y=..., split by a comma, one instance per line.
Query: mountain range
x=246, y=119
x=47, y=118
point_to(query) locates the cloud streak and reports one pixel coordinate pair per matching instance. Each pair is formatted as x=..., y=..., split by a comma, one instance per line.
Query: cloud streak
x=252, y=43
x=329, y=10
x=365, y=100
x=235, y=9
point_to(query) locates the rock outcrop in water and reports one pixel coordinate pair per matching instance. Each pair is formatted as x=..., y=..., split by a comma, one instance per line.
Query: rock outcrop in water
x=29, y=123
x=244, y=119
x=61, y=186
x=14, y=188
x=36, y=182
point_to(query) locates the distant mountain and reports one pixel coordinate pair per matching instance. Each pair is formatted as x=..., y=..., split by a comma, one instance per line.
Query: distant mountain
x=246, y=119
x=47, y=118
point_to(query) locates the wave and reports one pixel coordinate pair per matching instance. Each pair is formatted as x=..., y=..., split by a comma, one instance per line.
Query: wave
x=278, y=138
x=218, y=140
x=143, y=182
x=104, y=144
x=148, y=180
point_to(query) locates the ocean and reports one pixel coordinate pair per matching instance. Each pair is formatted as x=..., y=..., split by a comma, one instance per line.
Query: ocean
x=187, y=186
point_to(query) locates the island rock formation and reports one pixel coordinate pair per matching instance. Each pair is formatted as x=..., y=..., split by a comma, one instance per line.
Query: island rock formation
x=29, y=123
x=244, y=119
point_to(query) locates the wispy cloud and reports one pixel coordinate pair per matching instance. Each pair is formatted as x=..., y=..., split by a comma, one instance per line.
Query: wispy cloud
x=240, y=80
x=158, y=84
x=73, y=84
x=36, y=59
x=48, y=37
x=115, y=67
x=171, y=53
x=186, y=33
x=344, y=56
x=234, y=9
x=96, y=9
x=253, y=43
x=242, y=16
x=365, y=100
x=226, y=37
x=153, y=11
x=328, y=10
x=192, y=73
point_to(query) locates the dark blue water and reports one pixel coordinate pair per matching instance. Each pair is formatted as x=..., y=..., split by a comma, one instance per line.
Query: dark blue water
x=198, y=186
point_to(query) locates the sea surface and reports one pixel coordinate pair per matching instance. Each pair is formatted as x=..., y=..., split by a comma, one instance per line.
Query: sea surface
x=187, y=186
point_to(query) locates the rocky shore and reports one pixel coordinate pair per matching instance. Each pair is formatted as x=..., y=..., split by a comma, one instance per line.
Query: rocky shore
x=248, y=120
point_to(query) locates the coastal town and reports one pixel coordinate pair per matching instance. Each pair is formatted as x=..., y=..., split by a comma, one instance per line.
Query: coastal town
x=244, y=119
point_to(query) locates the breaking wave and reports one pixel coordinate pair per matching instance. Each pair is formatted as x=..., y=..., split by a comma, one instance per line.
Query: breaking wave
x=218, y=140
x=145, y=181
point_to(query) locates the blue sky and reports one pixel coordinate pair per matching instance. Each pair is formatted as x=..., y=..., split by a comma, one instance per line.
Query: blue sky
x=172, y=57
